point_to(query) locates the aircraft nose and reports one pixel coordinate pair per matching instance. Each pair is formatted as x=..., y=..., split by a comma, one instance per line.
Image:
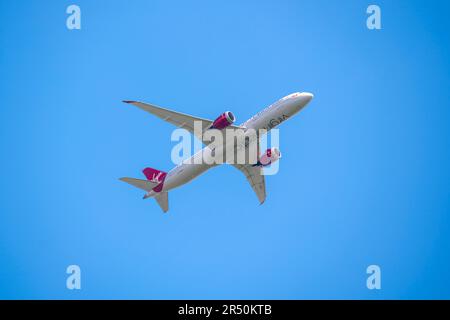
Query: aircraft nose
x=307, y=96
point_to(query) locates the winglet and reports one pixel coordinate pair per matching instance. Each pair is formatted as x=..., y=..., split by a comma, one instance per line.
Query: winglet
x=128, y=101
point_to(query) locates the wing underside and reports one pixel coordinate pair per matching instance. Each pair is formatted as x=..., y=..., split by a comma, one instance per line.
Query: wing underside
x=178, y=119
x=256, y=179
x=255, y=176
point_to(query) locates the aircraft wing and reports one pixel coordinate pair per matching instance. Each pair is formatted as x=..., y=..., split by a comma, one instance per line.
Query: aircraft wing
x=256, y=179
x=178, y=119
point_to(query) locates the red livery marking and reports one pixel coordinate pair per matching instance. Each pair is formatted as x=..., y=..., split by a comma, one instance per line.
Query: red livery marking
x=157, y=176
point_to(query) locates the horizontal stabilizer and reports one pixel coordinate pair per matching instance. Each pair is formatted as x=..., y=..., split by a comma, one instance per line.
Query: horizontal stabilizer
x=141, y=184
x=163, y=200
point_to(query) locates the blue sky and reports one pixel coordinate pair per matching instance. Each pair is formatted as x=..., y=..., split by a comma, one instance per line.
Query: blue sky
x=364, y=178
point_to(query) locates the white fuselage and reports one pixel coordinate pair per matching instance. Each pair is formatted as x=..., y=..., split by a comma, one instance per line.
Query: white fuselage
x=267, y=119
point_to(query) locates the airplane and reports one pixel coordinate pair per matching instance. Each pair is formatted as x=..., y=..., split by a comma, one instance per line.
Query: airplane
x=159, y=183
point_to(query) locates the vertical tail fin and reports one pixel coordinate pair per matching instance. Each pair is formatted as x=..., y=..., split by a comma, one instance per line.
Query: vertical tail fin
x=155, y=176
x=158, y=177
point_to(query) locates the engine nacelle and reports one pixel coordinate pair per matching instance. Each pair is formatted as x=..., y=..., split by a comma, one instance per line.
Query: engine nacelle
x=224, y=120
x=270, y=156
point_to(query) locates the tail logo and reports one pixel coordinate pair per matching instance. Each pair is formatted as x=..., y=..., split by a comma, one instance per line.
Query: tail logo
x=156, y=177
